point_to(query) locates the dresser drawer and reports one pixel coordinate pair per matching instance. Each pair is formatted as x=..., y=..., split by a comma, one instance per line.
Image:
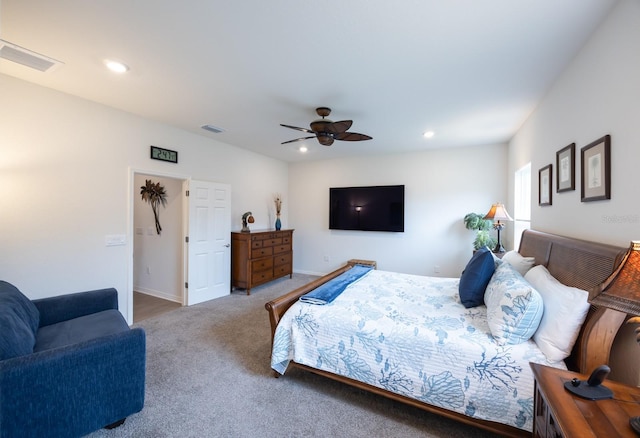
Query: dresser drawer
x=281, y=270
x=266, y=236
x=261, y=252
x=281, y=248
x=272, y=242
x=261, y=276
x=256, y=244
x=282, y=259
x=261, y=264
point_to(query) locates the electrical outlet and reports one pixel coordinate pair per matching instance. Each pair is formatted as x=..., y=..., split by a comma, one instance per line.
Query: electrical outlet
x=326, y=258
x=436, y=269
x=148, y=270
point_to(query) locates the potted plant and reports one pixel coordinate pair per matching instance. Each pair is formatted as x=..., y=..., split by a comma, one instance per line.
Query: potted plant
x=482, y=226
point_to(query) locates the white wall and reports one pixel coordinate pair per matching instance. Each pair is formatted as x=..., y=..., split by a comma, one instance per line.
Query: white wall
x=65, y=167
x=158, y=258
x=441, y=186
x=598, y=94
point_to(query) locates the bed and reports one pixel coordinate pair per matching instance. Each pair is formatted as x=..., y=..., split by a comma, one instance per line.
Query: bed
x=457, y=370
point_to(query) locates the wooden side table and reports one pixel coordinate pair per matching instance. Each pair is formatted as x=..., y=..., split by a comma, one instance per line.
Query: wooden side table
x=558, y=413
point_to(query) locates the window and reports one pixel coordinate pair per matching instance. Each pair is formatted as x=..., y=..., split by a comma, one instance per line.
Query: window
x=522, y=203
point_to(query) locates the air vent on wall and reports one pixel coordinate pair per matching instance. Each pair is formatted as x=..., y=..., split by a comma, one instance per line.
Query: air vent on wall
x=29, y=58
x=212, y=128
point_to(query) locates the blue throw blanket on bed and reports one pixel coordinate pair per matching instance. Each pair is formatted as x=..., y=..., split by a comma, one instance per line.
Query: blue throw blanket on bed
x=330, y=290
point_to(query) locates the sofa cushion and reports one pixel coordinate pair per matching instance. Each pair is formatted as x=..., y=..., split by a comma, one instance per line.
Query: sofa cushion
x=475, y=277
x=80, y=329
x=19, y=320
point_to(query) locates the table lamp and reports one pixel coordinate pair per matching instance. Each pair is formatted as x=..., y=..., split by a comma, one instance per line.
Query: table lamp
x=498, y=213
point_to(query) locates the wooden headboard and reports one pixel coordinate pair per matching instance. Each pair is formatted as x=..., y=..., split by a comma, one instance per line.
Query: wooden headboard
x=584, y=265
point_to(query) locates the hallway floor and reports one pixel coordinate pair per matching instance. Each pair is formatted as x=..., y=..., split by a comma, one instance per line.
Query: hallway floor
x=145, y=306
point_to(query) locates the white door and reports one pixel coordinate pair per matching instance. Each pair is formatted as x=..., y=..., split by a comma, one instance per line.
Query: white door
x=208, y=246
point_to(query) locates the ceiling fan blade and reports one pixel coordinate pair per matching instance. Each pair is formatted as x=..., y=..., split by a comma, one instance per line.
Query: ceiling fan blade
x=298, y=139
x=298, y=129
x=339, y=127
x=351, y=136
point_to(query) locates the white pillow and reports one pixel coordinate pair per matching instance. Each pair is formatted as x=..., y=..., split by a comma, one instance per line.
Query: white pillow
x=565, y=309
x=522, y=264
x=514, y=307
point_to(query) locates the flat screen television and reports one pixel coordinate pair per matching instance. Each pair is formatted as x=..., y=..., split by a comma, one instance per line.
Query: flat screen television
x=373, y=208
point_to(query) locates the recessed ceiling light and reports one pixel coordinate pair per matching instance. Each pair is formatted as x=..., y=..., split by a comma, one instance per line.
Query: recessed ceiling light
x=428, y=134
x=303, y=149
x=116, y=66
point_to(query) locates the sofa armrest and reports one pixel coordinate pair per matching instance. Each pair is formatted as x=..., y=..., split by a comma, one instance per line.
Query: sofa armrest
x=64, y=307
x=73, y=390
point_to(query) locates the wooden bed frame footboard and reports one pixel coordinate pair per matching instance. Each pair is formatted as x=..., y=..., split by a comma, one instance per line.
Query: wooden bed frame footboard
x=574, y=262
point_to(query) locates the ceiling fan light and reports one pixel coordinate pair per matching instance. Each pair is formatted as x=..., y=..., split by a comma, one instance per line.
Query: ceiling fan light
x=325, y=139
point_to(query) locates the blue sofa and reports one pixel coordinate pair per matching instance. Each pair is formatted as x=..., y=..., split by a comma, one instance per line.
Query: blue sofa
x=69, y=365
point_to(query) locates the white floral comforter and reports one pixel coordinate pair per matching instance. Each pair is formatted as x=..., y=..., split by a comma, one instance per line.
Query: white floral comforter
x=411, y=335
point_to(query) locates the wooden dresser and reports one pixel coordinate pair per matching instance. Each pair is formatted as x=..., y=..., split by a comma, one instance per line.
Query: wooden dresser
x=260, y=256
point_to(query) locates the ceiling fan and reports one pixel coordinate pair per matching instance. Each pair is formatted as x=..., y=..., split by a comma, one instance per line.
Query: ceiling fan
x=327, y=131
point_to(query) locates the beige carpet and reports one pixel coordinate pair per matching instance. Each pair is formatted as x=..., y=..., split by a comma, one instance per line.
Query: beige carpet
x=208, y=375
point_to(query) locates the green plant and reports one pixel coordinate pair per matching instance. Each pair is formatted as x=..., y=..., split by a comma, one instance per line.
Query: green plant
x=482, y=226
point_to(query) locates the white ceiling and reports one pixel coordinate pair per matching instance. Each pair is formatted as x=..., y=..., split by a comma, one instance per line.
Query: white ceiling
x=471, y=70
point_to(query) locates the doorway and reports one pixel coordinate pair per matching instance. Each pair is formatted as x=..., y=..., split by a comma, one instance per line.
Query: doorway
x=187, y=259
x=157, y=247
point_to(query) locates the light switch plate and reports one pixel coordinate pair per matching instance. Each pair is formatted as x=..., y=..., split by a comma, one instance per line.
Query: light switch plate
x=115, y=239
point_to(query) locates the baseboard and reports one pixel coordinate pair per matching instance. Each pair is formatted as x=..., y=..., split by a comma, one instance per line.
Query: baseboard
x=158, y=294
x=319, y=274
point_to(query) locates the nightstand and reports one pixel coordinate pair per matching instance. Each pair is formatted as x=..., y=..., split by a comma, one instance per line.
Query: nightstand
x=558, y=413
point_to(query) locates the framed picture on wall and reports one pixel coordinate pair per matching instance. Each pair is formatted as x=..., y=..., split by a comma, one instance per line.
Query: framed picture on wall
x=565, y=168
x=544, y=185
x=596, y=170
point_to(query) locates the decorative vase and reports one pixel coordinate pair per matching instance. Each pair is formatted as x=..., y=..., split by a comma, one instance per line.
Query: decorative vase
x=278, y=223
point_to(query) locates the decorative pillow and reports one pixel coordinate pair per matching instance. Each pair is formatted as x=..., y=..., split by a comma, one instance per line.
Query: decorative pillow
x=19, y=321
x=475, y=277
x=522, y=264
x=514, y=307
x=565, y=309
x=496, y=260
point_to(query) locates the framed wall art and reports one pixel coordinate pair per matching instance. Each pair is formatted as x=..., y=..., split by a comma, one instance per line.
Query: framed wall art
x=596, y=170
x=544, y=185
x=565, y=168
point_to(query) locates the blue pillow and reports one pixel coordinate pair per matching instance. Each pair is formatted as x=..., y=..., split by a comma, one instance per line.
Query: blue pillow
x=475, y=277
x=19, y=321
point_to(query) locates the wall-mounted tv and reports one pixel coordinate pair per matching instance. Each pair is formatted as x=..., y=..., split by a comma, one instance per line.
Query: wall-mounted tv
x=373, y=208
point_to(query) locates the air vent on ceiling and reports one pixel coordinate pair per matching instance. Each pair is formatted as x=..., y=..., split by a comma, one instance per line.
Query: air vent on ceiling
x=29, y=58
x=212, y=128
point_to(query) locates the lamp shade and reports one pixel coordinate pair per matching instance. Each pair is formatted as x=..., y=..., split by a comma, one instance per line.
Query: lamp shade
x=498, y=213
x=621, y=291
